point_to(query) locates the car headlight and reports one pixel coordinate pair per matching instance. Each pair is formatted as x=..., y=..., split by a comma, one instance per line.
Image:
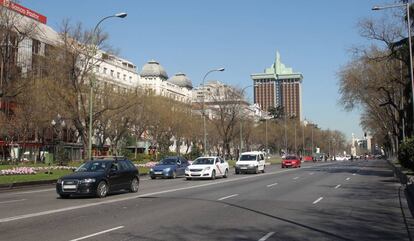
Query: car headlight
x=88, y=180
x=151, y=170
x=207, y=168
x=59, y=181
x=167, y=169
x=251, y=165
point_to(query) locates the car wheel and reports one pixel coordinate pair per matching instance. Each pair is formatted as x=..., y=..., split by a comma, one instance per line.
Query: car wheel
x=188, y=178
x=102, y=189
x=237, y=171
x=213, y=175
x=64, y=196
x=153, y=177
x=134, y=185
x=283, y=166
x=226, y=172
x=263, y=171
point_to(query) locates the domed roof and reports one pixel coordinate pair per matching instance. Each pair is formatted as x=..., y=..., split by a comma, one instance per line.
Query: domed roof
x=181, y=80
x=153, y=69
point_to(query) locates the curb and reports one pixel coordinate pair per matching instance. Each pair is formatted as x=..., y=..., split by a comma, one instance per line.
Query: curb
x=17, y=185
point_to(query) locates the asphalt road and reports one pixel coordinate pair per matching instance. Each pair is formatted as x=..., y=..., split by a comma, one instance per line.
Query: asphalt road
x=357, y=200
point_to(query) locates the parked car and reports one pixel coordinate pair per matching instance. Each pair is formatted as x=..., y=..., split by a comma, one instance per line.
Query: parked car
x=99, y=177
x=207, y=167
x=250, y=162
x=291, y=161
x=169, y=167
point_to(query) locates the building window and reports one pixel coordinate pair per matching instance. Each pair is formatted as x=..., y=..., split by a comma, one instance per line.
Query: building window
x=118, y=75
x=105, y=70
x=112, y=72
x=124, y=76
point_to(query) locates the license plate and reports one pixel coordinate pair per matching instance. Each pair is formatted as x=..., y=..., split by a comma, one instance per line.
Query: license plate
x=243, y=167
x=69, y=186
x=158, y=172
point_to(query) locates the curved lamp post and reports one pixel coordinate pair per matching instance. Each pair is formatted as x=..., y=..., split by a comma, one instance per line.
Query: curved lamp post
x=241, y=122
x=204, y=114
x=94, y=42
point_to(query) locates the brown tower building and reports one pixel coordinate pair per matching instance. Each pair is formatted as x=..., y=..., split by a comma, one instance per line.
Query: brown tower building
x=279, y=86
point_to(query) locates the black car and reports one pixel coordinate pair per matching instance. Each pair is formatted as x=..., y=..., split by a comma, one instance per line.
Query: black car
x=99, y=177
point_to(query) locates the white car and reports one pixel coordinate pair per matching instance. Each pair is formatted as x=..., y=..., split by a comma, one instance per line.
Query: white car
x=207, y=167
x=340, y=158
x=253, y=161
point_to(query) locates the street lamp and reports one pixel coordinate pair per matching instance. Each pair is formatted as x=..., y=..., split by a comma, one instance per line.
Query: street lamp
x=407, y=8
x=204, y=114
x=58, y=124
x=241, y=122
x=95, y=43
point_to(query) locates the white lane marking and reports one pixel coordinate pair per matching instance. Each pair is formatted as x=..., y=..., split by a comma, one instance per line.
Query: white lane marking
x=12, y=201
x=311, y=173
x=295, y=178
x=226, y=197
x=348, y=178
x=337, y=186
x=96, y=234
x=53, y=211
x=354, y=174
x=271, y=185
x=317, y=200
x=266, y=236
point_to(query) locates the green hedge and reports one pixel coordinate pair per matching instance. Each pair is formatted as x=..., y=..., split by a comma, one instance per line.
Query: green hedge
x=406, y=154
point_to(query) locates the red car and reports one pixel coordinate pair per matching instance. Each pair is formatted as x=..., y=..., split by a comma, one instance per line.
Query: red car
x=307, y=158
x=291, y=161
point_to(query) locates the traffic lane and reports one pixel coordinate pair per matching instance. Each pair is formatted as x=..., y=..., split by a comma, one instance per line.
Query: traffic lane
x=169, y=211
x=365, y=207
x=83, y=213
x=368, y=201
x=48, y=200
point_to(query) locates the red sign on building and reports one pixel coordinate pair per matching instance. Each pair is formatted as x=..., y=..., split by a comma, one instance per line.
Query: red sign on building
x=24, y=11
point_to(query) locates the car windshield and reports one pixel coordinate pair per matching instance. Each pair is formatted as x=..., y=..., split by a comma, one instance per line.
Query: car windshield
x=93, y=166
x=290, y=158
x=203, y=161
x=248, y=158
x=168, y=161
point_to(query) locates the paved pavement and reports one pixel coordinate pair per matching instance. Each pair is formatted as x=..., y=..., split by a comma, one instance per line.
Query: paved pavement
x=325, y=201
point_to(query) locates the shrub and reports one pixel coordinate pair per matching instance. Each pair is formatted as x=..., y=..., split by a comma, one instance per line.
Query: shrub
x=406, y=153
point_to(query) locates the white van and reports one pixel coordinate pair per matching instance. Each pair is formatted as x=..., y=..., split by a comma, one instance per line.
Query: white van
x=253, y=161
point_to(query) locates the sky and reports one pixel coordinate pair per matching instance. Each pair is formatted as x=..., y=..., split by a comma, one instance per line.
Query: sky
x=194, y=36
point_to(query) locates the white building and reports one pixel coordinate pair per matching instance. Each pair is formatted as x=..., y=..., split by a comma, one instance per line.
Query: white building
x=154, y=79
x=116, y=71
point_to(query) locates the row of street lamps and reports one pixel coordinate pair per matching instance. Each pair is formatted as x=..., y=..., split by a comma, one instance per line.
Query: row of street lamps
x=123, y=15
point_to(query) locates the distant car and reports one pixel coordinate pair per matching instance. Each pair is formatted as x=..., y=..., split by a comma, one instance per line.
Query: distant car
x=207, y=167
x=307, y=158
x=291, y=161
x=250, y=162
x=169, y=167
x=99, y=177
x=340, y=158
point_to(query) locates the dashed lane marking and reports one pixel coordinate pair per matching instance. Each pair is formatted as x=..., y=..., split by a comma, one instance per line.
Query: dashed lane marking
x=271, y=185
x=317, y=200
x=226, y=197
x=266, y=236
